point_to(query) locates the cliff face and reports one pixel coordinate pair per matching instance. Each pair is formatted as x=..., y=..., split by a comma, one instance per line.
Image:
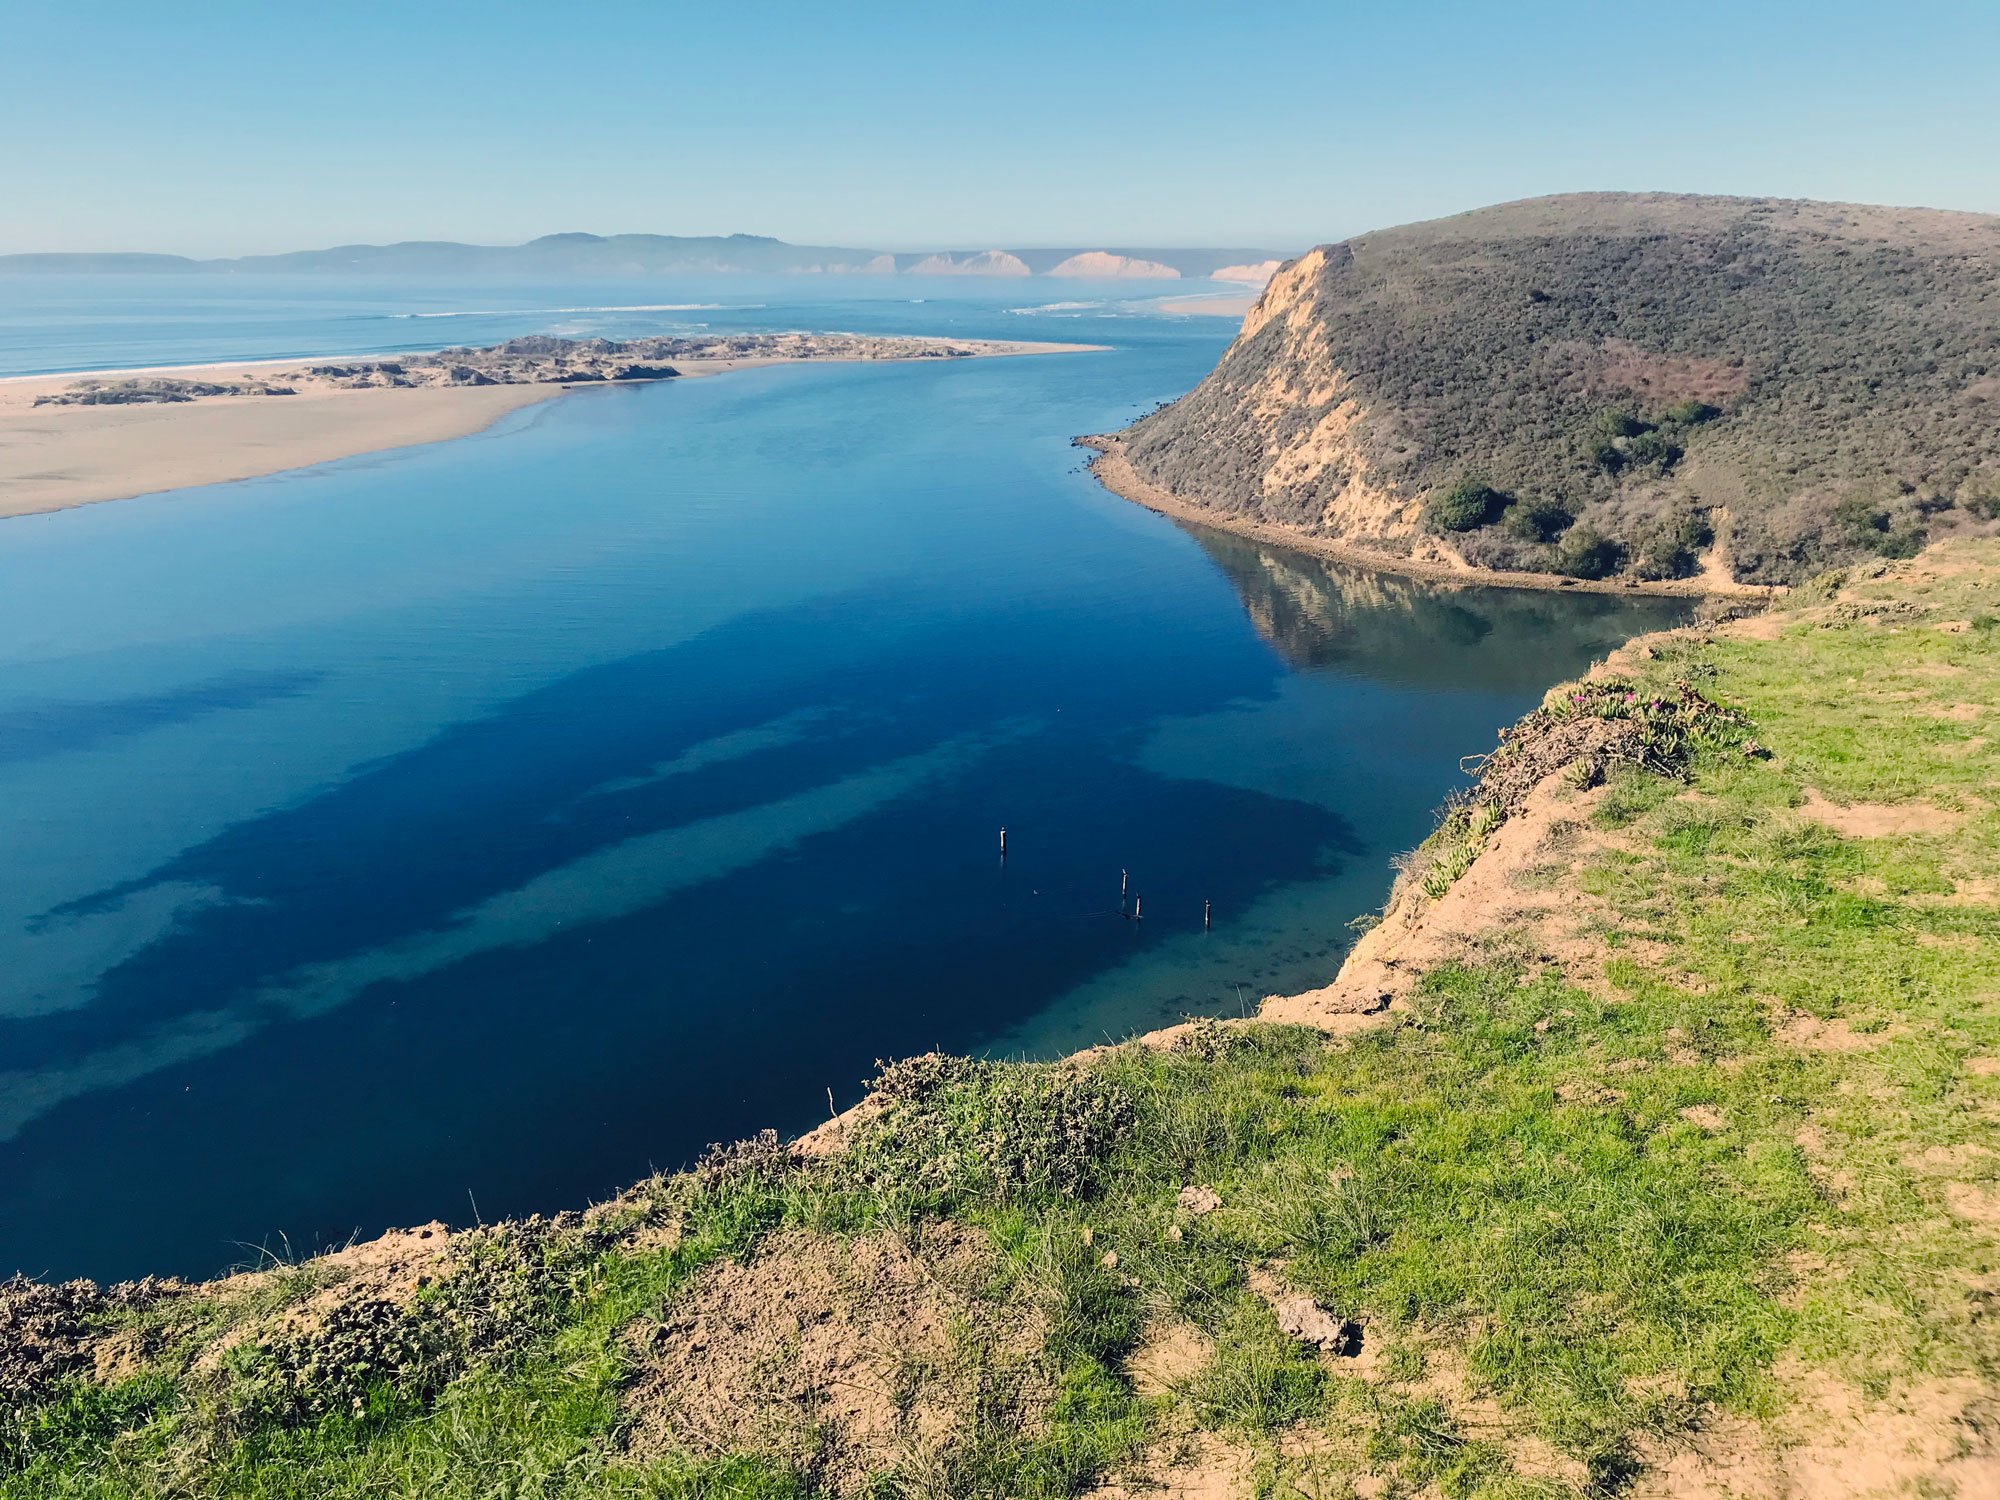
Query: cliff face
x=1612, y=385
x=985, y=263
x=1102, y=263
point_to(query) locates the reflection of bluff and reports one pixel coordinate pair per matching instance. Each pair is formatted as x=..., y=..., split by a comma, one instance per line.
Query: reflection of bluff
x=1317, y=613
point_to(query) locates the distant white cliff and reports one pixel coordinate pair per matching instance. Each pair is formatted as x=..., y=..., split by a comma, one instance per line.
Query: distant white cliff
x=1255, y=275
x=1101, y=263
x=985, y=263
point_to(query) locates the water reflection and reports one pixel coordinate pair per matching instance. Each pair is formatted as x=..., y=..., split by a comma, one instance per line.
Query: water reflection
x=1319, y=613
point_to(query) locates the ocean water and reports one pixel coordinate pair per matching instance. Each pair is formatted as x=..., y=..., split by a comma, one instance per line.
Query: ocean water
x=467, y=830
x=56, y=323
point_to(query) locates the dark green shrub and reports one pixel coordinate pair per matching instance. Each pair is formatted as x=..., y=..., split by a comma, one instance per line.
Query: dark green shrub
x=1652, y=448
x=1861, y=522
x=1585, y=552
x=1690, y=413
x=1672, y=549
x=1900, y=542
x=1660, y=554
x=1466, y=506
x=1537, y=519
x=1695, y=531
x=1621, y=423
x=1986, y=507
x=1856, y=517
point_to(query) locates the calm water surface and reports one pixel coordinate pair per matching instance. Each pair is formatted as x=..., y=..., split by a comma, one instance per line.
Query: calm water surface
x=487, y=823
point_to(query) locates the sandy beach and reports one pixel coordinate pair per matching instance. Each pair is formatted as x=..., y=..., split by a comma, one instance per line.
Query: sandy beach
x=55, y=457
x=1115, y=472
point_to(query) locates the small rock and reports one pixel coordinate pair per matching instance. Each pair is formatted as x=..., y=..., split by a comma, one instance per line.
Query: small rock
x=1305, y=1320
x=1198, y=1200
x=1110, y=1260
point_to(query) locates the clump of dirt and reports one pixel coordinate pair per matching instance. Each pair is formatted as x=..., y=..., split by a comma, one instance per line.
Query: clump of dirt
x=842, y=1359
x=1197, y=1199
x=1303, y=1319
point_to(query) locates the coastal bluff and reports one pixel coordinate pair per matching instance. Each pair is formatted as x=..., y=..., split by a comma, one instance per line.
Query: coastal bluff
x=1644, y=388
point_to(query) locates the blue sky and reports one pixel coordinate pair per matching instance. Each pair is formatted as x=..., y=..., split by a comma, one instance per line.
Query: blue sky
x=221, y=127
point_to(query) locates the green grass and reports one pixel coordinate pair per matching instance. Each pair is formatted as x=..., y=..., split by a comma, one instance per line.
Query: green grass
x=1573, y=1209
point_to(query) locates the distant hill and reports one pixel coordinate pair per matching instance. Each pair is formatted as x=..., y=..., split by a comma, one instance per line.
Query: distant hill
x=645, y=255
x=1613, y=385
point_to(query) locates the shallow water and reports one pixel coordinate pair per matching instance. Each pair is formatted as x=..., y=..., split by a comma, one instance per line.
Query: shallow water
x=469, y=829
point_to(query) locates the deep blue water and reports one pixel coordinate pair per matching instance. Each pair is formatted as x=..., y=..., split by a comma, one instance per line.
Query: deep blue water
x=474, y=827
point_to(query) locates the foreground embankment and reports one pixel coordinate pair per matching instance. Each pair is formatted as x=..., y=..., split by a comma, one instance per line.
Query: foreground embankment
x=1645, y=1144
x=74, y=439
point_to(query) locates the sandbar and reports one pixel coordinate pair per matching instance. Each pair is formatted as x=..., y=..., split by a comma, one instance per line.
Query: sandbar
x=1222, y=305
x=55, y=457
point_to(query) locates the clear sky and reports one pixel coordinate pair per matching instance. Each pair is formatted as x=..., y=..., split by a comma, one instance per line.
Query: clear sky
x=217, y=127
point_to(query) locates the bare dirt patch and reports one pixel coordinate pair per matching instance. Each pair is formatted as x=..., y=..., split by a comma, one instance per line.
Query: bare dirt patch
x=1190, y=1466
x=1707, y=1116
x=1937, y=1439
x=1973, y=1203
x=1170, y=1354
x=1622, y=367
x=1759, y=628
x=1875, y=820
x=1811, y=1034
x=842, y=1358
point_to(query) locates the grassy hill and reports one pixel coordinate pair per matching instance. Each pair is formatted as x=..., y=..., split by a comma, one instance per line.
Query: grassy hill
x=1611, y=385
x=1649, y=1144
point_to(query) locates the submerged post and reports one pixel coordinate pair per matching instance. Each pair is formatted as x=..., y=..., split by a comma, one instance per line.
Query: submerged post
x=1207, y=915
x=1124, y=884
x=1138, y=908
x=1003, y=841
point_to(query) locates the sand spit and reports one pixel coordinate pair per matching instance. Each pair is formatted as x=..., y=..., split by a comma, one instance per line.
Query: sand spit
x=1115, y=472
x=1219, y=305
x=82, y=437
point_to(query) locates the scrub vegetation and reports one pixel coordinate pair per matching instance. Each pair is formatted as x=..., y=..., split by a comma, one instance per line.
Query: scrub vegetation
x=1603, y=385
x=1691, y=1181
